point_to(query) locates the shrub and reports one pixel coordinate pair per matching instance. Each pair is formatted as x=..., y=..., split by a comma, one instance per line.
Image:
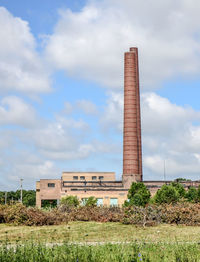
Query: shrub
x=15, y=214
x=19, y=214
x=91, y=202
x=198, y=193
x=145, y=216
x=98, y=214
x=179, y=188
x=70, y=201
x=167, y=194
x=181, y=213
x=138, y=195
x=192, y=195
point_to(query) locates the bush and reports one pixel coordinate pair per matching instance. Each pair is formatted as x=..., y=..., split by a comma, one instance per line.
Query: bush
x=15, y=214
x=198, y=194
x=145, y=216
x=181, y=213
x=179, y=188
x=192, y=195
x=98, y=214
x=167, y=194
x=91, y=202
x=138, y=195
x=19, y=214
x=70, y=201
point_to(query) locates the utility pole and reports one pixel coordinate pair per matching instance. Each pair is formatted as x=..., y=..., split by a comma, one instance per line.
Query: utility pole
x=21, y=189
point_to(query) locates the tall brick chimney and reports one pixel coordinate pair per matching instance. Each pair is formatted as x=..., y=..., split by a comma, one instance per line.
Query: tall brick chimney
x=132, y=149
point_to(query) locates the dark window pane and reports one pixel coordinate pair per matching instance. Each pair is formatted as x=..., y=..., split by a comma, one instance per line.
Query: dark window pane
x=94, y=178
x=82, y=178
x=101, y=177
x=75, y=177
x=51, y=184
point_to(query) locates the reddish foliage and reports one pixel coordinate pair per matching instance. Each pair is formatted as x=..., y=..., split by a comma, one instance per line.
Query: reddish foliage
x=180, y=213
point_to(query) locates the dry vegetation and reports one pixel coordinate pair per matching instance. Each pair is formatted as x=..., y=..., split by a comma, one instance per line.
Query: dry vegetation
x=100, y=232
x=180, y=213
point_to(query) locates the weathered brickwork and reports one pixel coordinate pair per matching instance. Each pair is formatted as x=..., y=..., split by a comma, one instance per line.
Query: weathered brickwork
x=132, y=150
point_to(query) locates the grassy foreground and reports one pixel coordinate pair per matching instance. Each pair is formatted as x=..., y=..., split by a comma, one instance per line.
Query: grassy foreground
x=102, y=242
x=30, y=252
x=99, y=232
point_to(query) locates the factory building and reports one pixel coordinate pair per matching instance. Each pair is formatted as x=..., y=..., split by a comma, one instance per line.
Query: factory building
x=103, y=185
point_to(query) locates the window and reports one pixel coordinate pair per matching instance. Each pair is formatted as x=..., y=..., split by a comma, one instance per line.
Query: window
x=114, y=202
x=101, y=177
x=51, y=184
x=75, y=177
x=99, y=201
x=82, y=178
x=94, y=178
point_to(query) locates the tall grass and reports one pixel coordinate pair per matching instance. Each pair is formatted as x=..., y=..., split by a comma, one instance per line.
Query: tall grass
x=100, y=253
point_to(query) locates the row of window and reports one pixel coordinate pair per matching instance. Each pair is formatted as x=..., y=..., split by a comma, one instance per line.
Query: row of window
x=81, y=178
x=93, y=177
x=113, y=201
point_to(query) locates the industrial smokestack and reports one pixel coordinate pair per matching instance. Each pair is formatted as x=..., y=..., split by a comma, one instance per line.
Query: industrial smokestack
x=132, y=149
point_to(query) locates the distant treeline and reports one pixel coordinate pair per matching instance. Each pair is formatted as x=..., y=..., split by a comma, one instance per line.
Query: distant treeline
x=12, y=197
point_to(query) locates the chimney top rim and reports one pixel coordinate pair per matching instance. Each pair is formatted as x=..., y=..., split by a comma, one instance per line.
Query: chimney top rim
x=133, y=49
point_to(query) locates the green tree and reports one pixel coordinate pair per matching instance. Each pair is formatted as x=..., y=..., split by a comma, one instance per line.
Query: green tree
x=179, y=188
x=29, y=197
x=91, y=202
x=180, y=179
x=198, y=193
x=167, y=194
x=138, y=195
x=71, y=201
x=2, y=197
x=192, y=194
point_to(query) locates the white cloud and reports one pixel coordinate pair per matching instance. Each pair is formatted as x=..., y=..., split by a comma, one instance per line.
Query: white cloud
x=68, y=108
x=62, y=138
x=31, y=172
x=86, y=107
x=90, y=43
x=113, y=115
x=81, y=106
x=169, y=132
x=14, y=111
x=21, y=68
x=160, y=116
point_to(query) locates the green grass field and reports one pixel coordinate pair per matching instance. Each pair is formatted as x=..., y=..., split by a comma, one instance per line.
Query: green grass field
x=100, y=232
x=106, y=242
x=134, y=252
